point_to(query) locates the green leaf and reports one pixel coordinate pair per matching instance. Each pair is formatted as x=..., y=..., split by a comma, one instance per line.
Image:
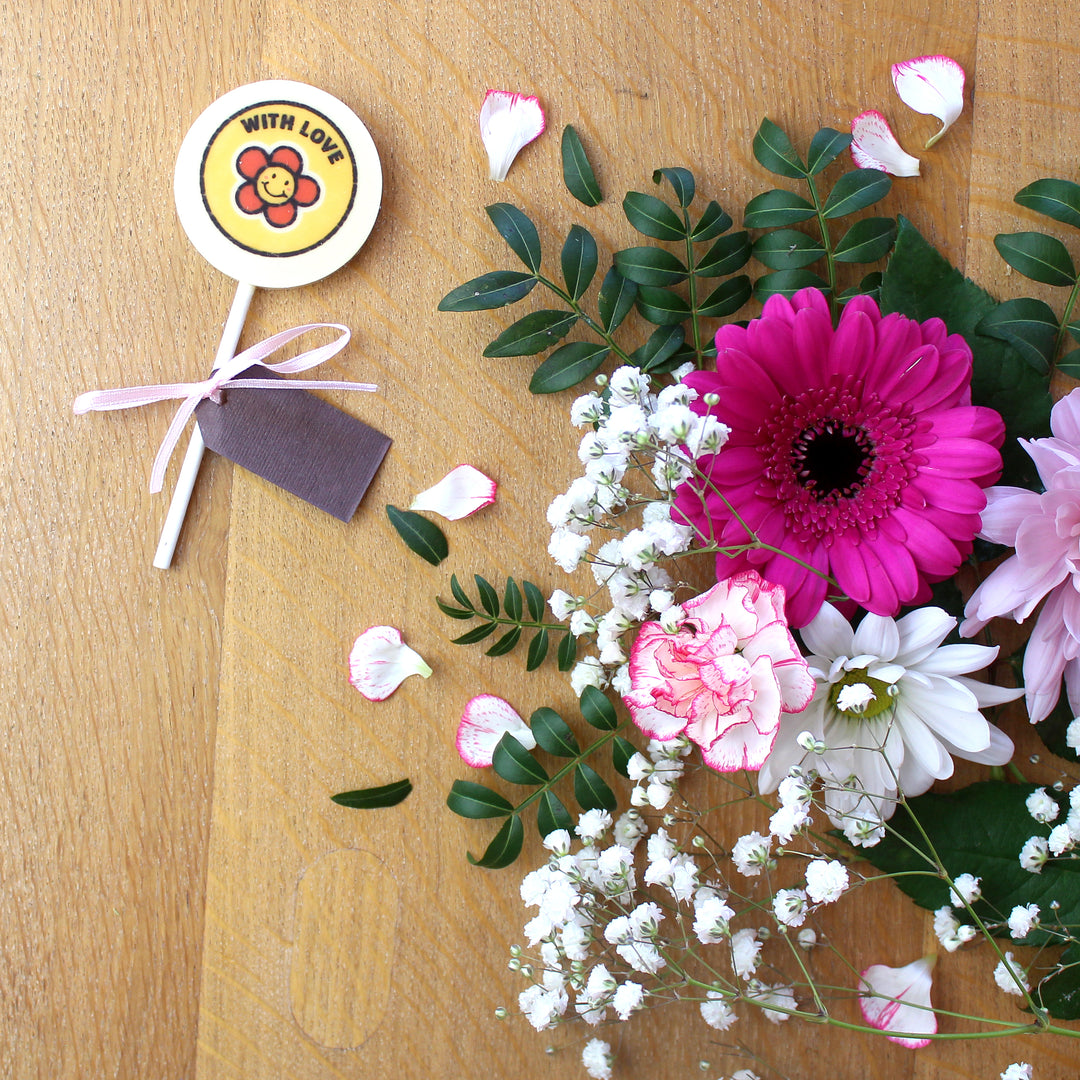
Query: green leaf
x=515, y=764
x=616, y=298
x=711, y=224
x=577, y=173
x=920, y=283
x=788, y=283
x=579, y=260
x=494, y=290
x=453, y=612
x=866, y=241
x=1030, y=326
x=505, y=848
x=553, y=734
x=590, y=790
x=476, y=801
x=506, y=643
x=773, y=208
x=728, y=254
x=726, y=298
x=534, y=333
x=979, y=830
x=512, y=599
x=774, y=150
x=856, y=190
x=662, y=306
x=459, y=593
x=787, y=249
x=369, y=798
x=420, y=535
x=1069, y=364
x=538, y=648
x=534, y=601
x=622, y=750
x=551, y=815
x=489, y=598
x=598, y=710
x=567, y=652
x=518, y=231
x=1057, y=199
x=567, y=366
x=869, y=286
x=650, y=266
x=1037, y=256
x=825, y=147
x=1074, y=330
x=662, y=344
x=653, y=217
x=477, y=633
x=681, y=181
x=1059, y=993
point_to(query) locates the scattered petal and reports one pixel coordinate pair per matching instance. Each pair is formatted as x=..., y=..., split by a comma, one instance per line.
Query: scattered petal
x=380, y=662
x=933, y=85
x=508, y=121
x=898, y=999
x=461, y=492
x=874, y=146
x=483, y=723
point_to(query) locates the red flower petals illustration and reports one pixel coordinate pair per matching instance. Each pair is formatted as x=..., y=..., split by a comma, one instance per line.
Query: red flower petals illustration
x=276, y=184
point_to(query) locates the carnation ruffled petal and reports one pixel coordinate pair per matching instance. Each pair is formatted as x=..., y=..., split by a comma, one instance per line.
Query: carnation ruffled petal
x=874, y=146
x=485, y=720
x=461, y=492
x=898, y=999
x=933, y=85
x=380, y=662
x=508, y=121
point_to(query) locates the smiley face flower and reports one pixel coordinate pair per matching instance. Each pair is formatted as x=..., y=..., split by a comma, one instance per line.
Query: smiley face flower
x=275, y=184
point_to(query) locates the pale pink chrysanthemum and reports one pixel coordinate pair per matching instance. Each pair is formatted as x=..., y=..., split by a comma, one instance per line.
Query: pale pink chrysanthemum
x=1045, y=531
x=855, y=453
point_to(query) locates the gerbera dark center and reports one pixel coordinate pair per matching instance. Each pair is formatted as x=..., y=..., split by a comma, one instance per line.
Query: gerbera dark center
x=832, y=458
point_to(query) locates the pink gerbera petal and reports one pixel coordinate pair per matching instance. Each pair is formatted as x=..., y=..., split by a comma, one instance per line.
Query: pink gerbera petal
x=461, y=492
x=874, y=146
x=380, y=662
x=898, y=999
x=483, y=723
x=508, y=121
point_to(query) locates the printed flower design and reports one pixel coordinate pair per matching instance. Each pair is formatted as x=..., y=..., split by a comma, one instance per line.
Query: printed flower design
x=1045, y=531
x=276, y=184
x=854, y=452
x=892, y=708
x=724, y=678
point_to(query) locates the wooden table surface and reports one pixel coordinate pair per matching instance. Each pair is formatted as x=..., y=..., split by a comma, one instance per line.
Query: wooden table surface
x=178, y=896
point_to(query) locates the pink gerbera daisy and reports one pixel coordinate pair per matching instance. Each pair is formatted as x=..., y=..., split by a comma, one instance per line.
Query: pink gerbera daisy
x=855, y=453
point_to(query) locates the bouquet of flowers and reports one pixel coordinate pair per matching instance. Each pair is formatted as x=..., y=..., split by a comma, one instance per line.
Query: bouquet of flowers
x=787, y=547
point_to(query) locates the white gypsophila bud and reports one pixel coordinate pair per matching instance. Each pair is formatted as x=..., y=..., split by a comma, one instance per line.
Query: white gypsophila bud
x=587, y=409
x=620, y=681
x=673, y=423
x=1072, y=736
x=711, y=399
x=806, y=740
x=623, y=426
x=581, y=622
x=661, y=599
x=1022, y=920
x=639, y=767
x=807, y=938
x=965, y=889
x=1060, y=840
x=567, y=549
x=587, y=672
x=751, y=854
x=630, y=385
x=1034, y=854
x=562, y=604
x=1011, y=976
x=711, y=435
x=558, y=842
x=672, y=618
x=789, y=906
x=826, y=880
x=1041, y=806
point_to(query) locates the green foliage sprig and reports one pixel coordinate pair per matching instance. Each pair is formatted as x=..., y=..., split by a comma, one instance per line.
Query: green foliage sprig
x=516, y=765
x=517, y=603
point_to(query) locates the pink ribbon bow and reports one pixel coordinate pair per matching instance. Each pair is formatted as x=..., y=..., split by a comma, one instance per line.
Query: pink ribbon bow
x=221, y=379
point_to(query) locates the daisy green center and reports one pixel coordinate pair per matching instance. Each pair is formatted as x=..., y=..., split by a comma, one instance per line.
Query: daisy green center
x=883, y=699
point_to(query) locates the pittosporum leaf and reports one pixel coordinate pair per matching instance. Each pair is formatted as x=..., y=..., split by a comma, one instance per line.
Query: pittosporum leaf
x=662, y=343
x=650, y=266
x=774, y=208
x=711, y=224
x=773, y=150
x=578, y=174
x=596, y=707
x=534, y=333
x=471, y=800
x=534, y=601
x=787, y=249
x=567, y=652
x=616, y=299
x=728, y=254
x=538, y=648
x=681, y=181
x=515, y=764
x=505, y=848
x=726, y=298
x=453, y=612
x=477, y=633
x=567, y=366
x=788, y=283
x=622, y=750
x=459, y=593
x=553, y=733
x=506, y=643
x=856, y=190
x=653, y=217
x=1057, y=199
x=518, y=231
x=494, y=290
x=420, y=535
x=825, y=147
x=551, y=815
x=489, y=598
x=579, y=260
x=866, y=241
x=369, y=798
x=512, y=599
x=1037, y=256
x=661, y=306
x=590, y=789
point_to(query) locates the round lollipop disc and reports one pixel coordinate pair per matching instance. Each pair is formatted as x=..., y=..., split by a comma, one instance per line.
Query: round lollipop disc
x=277, y=184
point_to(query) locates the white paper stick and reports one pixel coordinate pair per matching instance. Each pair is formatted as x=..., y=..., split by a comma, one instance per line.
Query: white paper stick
x=189, y=470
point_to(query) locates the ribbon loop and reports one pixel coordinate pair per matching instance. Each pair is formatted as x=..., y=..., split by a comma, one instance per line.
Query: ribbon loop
x=223, y=378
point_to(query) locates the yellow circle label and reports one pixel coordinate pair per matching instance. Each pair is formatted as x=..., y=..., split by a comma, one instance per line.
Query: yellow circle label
x=278, y=178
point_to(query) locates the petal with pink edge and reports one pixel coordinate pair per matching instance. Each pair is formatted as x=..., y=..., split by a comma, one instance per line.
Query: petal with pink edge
x=932, y=85
x=483, y=723
x=508, y=121
x=898, y=999
x=380, y=662
x=461, y=492
x=874, y=146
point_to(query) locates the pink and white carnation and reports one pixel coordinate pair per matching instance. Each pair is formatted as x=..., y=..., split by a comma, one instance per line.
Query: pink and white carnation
x=725, y=677
x=1045, y=531
x=854, y=454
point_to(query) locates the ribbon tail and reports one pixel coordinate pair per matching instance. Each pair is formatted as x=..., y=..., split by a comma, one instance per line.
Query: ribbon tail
x=168, y=444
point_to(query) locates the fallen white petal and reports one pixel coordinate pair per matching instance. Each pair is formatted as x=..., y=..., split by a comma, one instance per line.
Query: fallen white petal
x=461, y=492
x=933, y=85
x=898, y=999
x=380, y=662
x=508, y=121
x=874, y=146
x=483, y=723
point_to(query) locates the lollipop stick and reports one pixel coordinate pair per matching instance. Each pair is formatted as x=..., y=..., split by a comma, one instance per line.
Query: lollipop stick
x=185, y=483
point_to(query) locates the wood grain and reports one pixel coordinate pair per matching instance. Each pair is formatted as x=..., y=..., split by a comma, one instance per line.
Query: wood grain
x=178, y=895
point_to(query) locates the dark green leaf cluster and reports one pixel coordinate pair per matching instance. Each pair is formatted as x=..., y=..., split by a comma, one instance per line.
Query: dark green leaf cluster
x=516, y=765
x=980, y=830
x=1030, y=325
x=672, y=289
x=790, y=252
x=522, y=609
